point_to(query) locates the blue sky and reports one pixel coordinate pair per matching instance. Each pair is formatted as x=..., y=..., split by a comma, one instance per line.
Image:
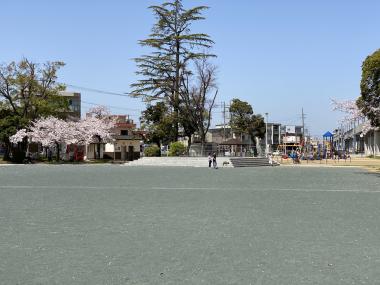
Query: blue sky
x=278, y=55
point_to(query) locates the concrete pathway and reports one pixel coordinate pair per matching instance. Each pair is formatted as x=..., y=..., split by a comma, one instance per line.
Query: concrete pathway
x=178, y=162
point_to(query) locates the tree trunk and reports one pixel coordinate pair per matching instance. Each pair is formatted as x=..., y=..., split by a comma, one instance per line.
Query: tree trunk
x=7, y=156
x=98, y=151
x=177, y=74
x=75, y=153
x=254, y=146
x=98, y=148
x=188, y=146
x=241, y=146
x=94, y=151
x=19, y=152
x=159, y=147
x=176, y=96
x=58, y=157
x=203, y=142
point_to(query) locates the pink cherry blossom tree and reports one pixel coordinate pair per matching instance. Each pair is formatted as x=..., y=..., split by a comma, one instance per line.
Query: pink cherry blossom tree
x=98, y=126
x=19, y=136
x=48, y=132
x=51, y=131
x=352, y=113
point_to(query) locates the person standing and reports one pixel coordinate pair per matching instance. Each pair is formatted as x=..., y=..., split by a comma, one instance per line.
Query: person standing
x=209, y=159
x=270, y=157
x=214, y=164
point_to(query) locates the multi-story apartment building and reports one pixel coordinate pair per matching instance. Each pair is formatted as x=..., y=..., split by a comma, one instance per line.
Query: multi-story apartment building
x=274, y=136
x=291, y=138
x=74, y=100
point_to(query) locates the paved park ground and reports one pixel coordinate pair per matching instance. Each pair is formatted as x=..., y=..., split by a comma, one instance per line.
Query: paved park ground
x=103, y=224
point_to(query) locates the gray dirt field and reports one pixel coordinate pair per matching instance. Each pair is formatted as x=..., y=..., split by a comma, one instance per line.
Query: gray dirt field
x=108, y=224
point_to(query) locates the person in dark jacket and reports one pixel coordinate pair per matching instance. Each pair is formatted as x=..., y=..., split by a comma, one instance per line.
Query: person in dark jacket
x=214, y=163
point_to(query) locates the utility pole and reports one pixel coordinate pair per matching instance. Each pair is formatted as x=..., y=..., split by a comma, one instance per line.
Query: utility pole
x=224, y=120
x=303, y=124
x=266, y=134
x=303, y=128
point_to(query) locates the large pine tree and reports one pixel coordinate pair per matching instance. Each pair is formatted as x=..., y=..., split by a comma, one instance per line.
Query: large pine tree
x=173, y=46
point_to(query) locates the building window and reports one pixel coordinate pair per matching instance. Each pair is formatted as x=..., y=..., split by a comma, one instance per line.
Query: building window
x=124, y=132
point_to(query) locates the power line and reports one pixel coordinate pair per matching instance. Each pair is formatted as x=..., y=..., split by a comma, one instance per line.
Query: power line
x=110, y=106
x=114, y=94
x=98, y=90
x=135, y=115
x=125, y=94
x=103, y=92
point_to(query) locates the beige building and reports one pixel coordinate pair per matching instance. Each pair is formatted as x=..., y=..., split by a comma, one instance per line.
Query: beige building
x=127, y=140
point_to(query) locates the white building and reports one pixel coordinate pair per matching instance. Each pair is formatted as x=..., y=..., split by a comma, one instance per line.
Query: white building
x=350, y=137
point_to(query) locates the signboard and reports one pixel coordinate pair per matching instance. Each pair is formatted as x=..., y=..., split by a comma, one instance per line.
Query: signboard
x=291, y=129
x=290, y=139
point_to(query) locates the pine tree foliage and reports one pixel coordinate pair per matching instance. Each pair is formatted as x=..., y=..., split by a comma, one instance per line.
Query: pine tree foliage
x=173, y=46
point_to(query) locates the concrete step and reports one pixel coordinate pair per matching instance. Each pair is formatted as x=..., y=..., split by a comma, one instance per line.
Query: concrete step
x=251, y=162
x=177, y=162
x=201, y=162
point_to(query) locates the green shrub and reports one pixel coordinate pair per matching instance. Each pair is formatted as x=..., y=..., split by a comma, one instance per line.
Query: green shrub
x=151, y=151
x=177, y=149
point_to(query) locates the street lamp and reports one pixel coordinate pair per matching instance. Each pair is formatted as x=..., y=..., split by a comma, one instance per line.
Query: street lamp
x=266, y=134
